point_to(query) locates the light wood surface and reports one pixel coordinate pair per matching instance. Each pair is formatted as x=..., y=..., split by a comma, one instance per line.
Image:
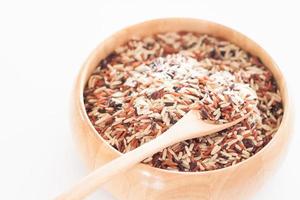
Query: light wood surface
x=238, y=182
x=188, y=127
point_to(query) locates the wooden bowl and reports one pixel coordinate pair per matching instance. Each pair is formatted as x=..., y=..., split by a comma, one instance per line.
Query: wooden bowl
x=144, y=182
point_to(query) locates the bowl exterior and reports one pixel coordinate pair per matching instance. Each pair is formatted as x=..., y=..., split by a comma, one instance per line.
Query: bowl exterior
x=238, y=182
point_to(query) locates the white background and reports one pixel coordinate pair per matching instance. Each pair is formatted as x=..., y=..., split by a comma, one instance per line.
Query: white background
x=43, y=45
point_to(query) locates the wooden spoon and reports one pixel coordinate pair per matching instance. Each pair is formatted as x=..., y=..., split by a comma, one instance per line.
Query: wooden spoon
x=188, y=127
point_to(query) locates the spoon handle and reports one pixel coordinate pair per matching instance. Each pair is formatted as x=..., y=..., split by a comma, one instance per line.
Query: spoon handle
x=121, y=164
x=189, y=126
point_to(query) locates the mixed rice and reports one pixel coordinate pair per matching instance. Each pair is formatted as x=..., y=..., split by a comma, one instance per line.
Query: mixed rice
x=146, y=85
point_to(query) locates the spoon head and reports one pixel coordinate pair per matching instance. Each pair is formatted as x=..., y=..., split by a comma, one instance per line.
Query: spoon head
x=193, y=126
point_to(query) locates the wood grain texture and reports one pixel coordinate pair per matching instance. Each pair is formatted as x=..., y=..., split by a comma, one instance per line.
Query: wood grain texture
x=237, y=182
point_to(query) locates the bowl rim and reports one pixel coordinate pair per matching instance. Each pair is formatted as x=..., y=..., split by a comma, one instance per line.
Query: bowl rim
x=93, y=55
